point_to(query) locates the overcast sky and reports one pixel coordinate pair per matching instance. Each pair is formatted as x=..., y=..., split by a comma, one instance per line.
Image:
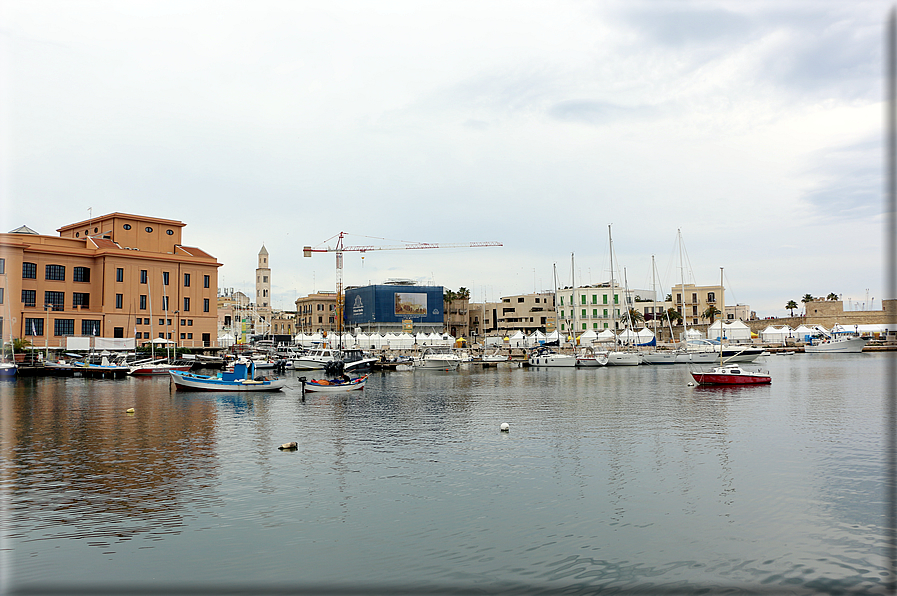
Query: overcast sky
x=754, y=127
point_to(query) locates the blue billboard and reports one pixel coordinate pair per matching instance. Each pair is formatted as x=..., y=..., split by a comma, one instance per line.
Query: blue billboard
x=393, y=304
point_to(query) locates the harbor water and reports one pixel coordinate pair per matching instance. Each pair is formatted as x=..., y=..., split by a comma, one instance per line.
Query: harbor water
x=620, y=479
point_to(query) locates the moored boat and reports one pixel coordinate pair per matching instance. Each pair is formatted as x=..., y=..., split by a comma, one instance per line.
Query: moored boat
x=731, y=374
x=836, y=344
x=335, y=385
x=156, y=368
x=438, y=358
x=544, y=356
x=241, y=379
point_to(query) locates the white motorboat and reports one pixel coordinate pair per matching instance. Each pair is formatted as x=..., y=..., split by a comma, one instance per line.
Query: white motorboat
x=494, y=357
x=836, y=344
x=355, y=360
x=547, y=357
x=438, y=358
x=156, y=368
x=314, y=359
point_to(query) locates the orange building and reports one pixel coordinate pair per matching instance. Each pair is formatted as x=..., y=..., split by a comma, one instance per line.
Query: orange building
x=116, y=276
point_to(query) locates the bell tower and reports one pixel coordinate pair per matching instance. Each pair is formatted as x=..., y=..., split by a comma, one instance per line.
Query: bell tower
x=263, y=285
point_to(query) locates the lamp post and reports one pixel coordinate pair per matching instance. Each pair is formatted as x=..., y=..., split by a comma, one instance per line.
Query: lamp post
x=46, y=332
x=177, y=334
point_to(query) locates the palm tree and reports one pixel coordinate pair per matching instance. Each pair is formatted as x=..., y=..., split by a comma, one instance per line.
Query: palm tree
x=675, y=316
x=832, y=296
x=791, y=306
x=635, y=316
x=807, y=299
x=710, y=313
x=463, y=294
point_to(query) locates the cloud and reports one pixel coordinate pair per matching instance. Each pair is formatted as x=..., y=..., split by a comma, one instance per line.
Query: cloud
x=849, y=181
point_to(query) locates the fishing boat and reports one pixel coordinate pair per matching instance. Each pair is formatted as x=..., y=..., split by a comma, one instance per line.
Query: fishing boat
x=730, y=374
x=335, y=385
x=438, y=358
x=241, y=379
x=836, y=344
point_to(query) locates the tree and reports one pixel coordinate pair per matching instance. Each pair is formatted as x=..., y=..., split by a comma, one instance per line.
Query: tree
x=462, y=294
x=791, y=306
x=635, y=316
x=832, y=296
x=674, y=315
x=669, y=298
x=710, y=313
x=806, y=300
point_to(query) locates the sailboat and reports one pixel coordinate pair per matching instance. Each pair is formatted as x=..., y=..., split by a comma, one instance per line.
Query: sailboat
x=729, y=373
x=684, y=354
x=659, y=356
x=8, y=369
x=545, y=356
x=616, y=357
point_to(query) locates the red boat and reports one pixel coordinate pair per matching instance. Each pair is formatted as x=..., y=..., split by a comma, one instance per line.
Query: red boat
x=731, y=374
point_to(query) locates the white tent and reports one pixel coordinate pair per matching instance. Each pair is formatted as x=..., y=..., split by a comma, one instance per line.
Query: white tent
x=628, y=336
x=406, y=341
x=420, y=338
x=553, y=336
x=805, y=332
x=492, y=341
x=645, y=335
x=775, y=335
x=518, y=340
x=587, y=338
x=734, y=331
x=535, y=339
x=606, y=335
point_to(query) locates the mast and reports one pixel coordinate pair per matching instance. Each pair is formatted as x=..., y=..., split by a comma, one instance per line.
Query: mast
x=654, y=289
x=556, y=318
x=573, y=306
x=682, y=278
x=613, y=288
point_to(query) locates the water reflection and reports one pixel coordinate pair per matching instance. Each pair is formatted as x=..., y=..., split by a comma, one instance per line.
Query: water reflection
x=623, y=478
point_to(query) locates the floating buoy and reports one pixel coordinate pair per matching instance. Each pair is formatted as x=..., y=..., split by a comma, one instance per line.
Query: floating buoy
x=130, y=410
x=291, y=445
x=691, y=384
x=505, y=427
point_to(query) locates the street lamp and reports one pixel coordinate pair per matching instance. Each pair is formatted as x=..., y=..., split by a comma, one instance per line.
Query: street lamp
x=46, y=332
x=177, y=334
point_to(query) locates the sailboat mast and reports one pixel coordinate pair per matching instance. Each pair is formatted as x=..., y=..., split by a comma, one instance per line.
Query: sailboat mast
x=573, y=302
x=613, y=312
x=682, y=278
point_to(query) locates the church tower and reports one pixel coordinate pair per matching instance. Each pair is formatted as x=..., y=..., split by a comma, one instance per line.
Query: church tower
x=263, y=285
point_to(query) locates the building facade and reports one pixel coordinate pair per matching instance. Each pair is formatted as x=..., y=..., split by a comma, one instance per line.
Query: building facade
x=601, y=306
x=115, y=276
x=316, y=313
x=520, y=312
x=393, y=308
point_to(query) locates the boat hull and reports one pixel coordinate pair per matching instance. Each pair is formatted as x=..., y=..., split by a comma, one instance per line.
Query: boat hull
x=194, y=382
x=724, y=379
x=437, y=363
x=659, y=358
x=553, y=360
x=623, y=359
x=145, y=371
x=851, y=345
x=315, y=385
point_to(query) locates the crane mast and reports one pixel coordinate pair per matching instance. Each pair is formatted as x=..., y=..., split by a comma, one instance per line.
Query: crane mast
x=340, y=248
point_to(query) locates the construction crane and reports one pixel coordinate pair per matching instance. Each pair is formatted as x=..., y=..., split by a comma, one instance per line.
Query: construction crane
x=340, y=248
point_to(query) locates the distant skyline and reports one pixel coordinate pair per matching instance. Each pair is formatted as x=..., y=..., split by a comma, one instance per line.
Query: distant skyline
x=755, y=128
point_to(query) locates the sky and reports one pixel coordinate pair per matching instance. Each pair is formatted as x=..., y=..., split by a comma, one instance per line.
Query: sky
x=754, y=128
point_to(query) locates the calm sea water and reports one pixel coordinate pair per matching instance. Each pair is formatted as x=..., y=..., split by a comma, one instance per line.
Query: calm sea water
x=622, y=479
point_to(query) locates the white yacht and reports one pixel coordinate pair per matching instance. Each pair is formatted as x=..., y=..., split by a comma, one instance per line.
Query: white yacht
x=314, y=359
x=547, y=357
x=438, y=358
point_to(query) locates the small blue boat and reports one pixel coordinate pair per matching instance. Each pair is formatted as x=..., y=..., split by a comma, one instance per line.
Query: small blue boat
x=241, y=379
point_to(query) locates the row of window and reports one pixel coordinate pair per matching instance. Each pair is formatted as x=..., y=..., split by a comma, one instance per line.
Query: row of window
x=56, y=300
x=146, y=335
x=307, y=308
x=54, y=272
x=35, y=327
x=594, y=313
x=146, y=321
x=594, y=299
x=142, y=302
x=166, y=278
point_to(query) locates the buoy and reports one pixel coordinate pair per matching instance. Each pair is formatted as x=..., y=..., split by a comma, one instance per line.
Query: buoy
x=290, y=445
x=505, y=427
x=130, y=410
x=691, y=384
